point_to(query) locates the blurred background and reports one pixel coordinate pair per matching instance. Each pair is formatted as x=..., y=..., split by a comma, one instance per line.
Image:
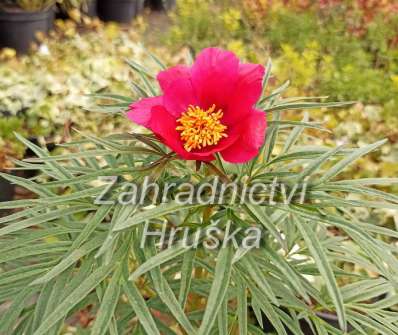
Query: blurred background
x=52, y=54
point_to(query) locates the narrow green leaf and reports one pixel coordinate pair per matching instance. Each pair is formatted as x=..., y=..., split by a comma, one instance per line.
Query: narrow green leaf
x=368, y=181
x=218, y=289
x=28, y=184
x=267, y=308
x=160, y=258
x=41, y=304
x=10, y=317
x=74, y=298
x=275, y=93
x=186, y=276
x=257, y=212
x=284, y=266
x=140, y=308
x=242, y=306
x=108, y=305
x=268, y=72
x=317, y=163
x=337, y=168
x=90, y=226
x=70, y=259
x=167, y=296
x=222, y=317
x=156, y=60
x=325, y=269
x=139, y=68
x=294, y=135
x=248, y=265
x=154, y=213
x=308, y=105
x=42, y=218
x=271, y=136
x=110, y=96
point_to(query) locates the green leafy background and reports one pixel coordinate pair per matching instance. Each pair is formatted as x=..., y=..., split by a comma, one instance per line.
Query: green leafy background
x=335, y=253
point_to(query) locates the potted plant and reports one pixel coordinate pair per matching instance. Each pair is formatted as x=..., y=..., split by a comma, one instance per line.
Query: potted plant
x=7, y=190
x=87, y=7
x=21, y=20
x=6, y=187
x=162, y=4
x=213, y=210
x=122, y=11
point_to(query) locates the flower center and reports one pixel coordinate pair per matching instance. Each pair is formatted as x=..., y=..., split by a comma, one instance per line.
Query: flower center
x=200, y=128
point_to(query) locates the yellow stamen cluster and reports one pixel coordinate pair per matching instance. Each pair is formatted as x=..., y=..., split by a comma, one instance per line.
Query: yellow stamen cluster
x=200, y=128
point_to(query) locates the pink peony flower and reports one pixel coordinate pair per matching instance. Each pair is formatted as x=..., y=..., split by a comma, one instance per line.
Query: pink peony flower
x=207, y=108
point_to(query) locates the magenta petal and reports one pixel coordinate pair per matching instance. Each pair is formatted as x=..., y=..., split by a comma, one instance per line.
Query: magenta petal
x=214, y=75
x=178, y=96
x=247, y=92
x=216, y=78
x=164, y=126
x=141, y=111
x=167, y=77
x=250, y=141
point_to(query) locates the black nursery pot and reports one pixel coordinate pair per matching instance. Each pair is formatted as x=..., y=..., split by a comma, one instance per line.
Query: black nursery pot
x=162, y=4
x=18, y=28
x=122, y=11
x=6, y=190
x=91, y=9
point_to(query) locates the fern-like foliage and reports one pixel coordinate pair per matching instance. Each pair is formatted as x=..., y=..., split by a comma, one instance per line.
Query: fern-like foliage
x=61, y=252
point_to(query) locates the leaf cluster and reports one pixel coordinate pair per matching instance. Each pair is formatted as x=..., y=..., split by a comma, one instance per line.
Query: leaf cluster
x=61, y=253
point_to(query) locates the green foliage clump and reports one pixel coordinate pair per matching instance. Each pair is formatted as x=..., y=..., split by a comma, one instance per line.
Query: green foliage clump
x=70, y=4
x=40, y=5
x=8, y=125
x=351, y=60
x=64, y=254
x=200, y=24
x=342, y=49
x=344, y=61
x=47, y=90
x=29, y=5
